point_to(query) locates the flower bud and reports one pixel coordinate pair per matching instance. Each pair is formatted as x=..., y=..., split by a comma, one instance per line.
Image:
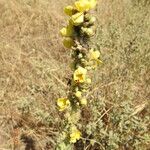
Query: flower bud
x=63, y=31
x=88, y=31
x=77, y=19
x=67, y=31
x=92, y=20
x=84, y=90
x=78, y=94
x=83, y=101
x=69, y=10
x=68, y=42
x=88, y=80
x=87, y=17
x=80, y=56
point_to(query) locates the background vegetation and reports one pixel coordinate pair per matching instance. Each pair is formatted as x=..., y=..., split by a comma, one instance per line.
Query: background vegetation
x=34, y=71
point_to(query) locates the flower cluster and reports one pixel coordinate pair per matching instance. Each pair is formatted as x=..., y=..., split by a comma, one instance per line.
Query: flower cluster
x=80, y=22
x=75, y=36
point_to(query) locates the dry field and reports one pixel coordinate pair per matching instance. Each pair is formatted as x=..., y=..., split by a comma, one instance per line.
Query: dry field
x=34, y=71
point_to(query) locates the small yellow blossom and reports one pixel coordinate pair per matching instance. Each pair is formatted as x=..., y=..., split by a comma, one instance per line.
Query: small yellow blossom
x=77, y=18
x=82, y=5
x=85, y=5
x=78, y=94
x=69, y=10
x=94, y=60
x=83, y=101
x=75, y=135
x=92, y=3
x=80, y=75
x=63, y=103
x=94, y=55
x=68, y=42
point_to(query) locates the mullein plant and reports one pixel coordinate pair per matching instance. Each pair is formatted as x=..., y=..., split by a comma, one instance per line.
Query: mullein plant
x=75, y=37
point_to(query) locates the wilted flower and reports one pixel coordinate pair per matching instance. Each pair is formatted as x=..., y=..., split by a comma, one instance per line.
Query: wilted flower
x=63, y=103
x=77, y=18
x=75, y=135
x=80, y=75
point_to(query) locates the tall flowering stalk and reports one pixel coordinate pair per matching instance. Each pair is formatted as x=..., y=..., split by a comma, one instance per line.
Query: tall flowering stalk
x=75, y=37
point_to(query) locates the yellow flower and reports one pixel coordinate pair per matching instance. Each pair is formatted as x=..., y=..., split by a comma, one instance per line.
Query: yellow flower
x=85, y=5
x=75, y=135
x=83, y=101
x=63, y=103
x=68, y=42
x=82, y=5
x=78, y=94
x=77, y=18
x=94, y=55
x=94, y=58
x=92, y=3
x=80, y=75
x=69, y=10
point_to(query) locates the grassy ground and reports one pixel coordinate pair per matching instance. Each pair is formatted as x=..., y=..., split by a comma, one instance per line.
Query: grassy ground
x=34, y=69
